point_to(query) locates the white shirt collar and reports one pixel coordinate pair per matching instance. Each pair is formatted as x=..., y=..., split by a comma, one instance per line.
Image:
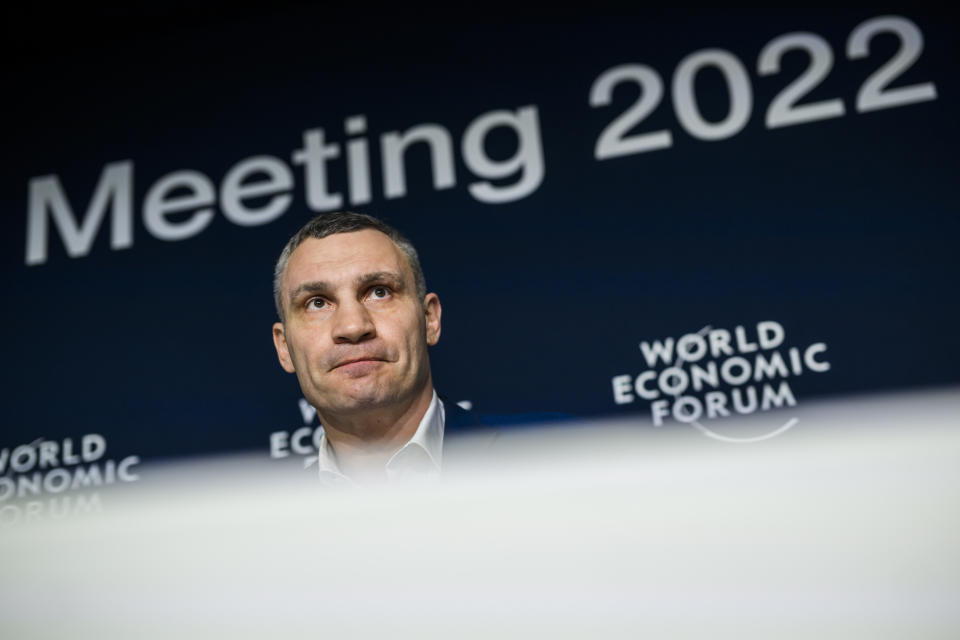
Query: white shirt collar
x=420, y=458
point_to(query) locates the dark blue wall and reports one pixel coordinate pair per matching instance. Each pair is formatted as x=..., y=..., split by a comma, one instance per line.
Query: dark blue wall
x=841, y=229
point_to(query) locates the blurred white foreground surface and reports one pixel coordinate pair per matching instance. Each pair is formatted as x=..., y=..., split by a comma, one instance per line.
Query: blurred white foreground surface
x=845, y=526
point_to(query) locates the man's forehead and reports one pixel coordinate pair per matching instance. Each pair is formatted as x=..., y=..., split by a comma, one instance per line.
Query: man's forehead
x=344, y=256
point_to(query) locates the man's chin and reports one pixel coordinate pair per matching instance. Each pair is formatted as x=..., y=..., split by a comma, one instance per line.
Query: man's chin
x=361, y=402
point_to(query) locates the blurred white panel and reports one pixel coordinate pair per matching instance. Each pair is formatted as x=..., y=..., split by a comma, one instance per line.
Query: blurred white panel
x=845, y=526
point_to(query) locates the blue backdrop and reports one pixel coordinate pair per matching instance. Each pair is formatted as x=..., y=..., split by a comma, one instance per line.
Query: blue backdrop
x=575, y=189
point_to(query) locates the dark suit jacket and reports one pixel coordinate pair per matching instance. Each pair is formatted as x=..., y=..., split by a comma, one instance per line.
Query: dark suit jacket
x=458, y=423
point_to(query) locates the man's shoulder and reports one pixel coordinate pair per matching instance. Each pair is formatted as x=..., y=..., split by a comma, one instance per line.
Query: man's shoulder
x=458, y=419
x=460, y=422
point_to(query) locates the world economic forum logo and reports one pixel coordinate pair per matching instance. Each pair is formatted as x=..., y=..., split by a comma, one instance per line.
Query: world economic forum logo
x=703, y=377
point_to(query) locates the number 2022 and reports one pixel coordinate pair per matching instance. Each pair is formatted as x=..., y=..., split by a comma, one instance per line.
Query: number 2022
x=783, y=111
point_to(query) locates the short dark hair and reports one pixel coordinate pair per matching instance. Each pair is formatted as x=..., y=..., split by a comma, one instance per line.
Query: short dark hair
x=328, y=224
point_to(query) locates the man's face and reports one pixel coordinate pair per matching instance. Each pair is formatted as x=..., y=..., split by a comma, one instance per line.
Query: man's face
x=355, y=334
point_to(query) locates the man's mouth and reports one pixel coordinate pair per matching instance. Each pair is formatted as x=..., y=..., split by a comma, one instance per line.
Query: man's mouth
x=358, y=366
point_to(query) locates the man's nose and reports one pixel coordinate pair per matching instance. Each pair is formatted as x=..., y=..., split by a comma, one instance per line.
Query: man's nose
x=352, y=323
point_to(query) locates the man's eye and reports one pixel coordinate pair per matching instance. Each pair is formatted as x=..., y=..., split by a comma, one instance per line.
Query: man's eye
x=379, y=292
x=316, y=303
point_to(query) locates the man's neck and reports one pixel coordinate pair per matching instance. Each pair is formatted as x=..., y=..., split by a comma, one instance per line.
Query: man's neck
x=364, y=442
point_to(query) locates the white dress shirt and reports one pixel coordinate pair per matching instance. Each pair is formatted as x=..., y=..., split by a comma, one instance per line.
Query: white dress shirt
x=418, y=460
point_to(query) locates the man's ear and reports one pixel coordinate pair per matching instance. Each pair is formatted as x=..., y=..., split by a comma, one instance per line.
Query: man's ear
x=283, y=353
x=431, y=308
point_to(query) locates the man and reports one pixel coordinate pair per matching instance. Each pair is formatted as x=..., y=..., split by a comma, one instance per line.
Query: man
x=355, y=325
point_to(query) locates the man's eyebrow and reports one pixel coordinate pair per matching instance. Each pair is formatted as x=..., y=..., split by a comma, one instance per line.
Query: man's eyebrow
x=385, y=277
x=321, y=287
x=313, y=287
